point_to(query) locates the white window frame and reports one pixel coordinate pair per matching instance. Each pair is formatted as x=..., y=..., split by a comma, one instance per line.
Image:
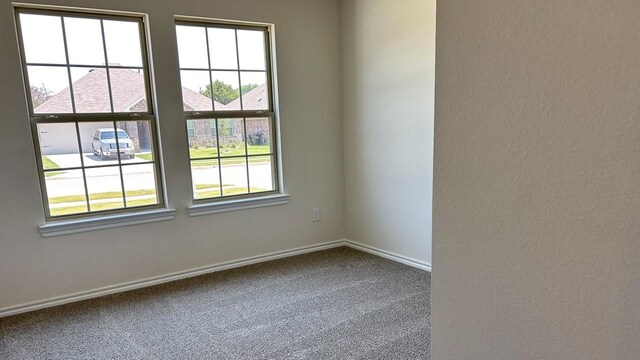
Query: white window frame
x=277, y=196
x=92, y=220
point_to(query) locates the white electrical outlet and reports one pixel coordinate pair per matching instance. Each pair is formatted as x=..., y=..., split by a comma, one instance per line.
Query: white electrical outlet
x=316, y=214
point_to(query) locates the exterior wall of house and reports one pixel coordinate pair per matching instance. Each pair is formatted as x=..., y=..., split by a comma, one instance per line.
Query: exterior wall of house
x=59, y=139
x=55, y=139
x=203, y=133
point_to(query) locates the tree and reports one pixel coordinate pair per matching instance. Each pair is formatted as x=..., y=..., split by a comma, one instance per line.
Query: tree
x=248, y=87
x=225, y=93
x=39, y=95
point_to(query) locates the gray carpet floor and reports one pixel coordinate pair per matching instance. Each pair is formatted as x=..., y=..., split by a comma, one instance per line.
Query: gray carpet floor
x=333, y=304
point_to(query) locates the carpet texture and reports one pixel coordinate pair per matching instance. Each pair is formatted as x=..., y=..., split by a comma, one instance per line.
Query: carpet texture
x=334, y=304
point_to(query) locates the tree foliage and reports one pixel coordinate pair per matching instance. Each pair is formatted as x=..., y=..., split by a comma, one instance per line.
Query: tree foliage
x=39, y=95
x=247, y=88
x=225, y=93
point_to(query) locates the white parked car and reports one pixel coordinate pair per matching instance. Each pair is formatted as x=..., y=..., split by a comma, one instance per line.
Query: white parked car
x=104, y=144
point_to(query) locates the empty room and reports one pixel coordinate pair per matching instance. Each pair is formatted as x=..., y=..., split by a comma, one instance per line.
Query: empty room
x=216, y=179
x=320, y=179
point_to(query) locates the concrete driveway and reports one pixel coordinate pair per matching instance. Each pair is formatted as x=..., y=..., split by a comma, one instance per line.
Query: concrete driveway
x=73, y=160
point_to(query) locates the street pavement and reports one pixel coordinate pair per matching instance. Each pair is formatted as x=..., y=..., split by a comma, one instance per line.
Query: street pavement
x=138, y=174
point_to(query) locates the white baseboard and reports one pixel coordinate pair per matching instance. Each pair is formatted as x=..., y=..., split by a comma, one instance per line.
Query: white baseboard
x=423, y=265
x=156, y=280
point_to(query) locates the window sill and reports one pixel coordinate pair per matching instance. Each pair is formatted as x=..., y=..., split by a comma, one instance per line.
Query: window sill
x=105, y=222
x=235, y=205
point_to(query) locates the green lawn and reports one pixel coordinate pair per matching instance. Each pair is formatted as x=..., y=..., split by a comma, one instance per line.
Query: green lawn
x=99, y=196
x=227, y=192
x=224, y=151
x=210, y=186
x=49, y=164
x=228, y=151
x=117, y=204
x=202, y=152
x=145, y=156
x=232, y=161
x=68, y=210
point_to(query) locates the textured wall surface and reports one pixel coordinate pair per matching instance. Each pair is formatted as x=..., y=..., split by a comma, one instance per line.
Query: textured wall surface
x=308, y=58
x=388, y=68
x=537, y=180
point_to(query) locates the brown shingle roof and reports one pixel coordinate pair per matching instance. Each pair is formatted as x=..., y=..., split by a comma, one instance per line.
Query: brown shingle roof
x=127, y=86
x=256, y=99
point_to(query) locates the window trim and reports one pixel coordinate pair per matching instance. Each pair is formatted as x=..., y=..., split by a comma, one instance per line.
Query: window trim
x=267, y=28
x=236, y=202
x=74, y=226
x=76, y=118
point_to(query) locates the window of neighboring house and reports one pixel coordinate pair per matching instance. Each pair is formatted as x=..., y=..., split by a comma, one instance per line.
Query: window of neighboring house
x=191, y=130
x=227, y=81
x=91, y=111
x=212, y=128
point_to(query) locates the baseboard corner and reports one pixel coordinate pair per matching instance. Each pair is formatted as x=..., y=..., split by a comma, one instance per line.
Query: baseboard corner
x=419, y=264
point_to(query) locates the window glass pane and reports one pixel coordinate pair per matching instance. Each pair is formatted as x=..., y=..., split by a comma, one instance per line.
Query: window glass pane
x=140, y=185
x=128, y=90
x=58, y=146
x=135, y=141
x=196, y=90
x=105, y=188
x=123, y=43
x=65, y=192
x=50, y=89
x=234, y=176
x=213, y=128
x=261, y=173
x=258, y=136
x=192, y=47
x=226, y=90
x=191, y=130
x=231, y=137
x=254, y=91
x=42, y=38
x=222, y=49
x=238, y=81
x=251, y=50
x=206, y=178
x=87, y=65
x=202, y=138
x=98, y=143
x=84, y=41
x=90, y=90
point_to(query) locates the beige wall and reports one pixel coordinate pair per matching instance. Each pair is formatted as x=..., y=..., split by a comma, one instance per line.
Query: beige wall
x=308, y=50
x=537, y=180
x=388, y=67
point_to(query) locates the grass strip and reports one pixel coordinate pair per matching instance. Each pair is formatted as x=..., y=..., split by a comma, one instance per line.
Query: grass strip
x=49, y=164
x=100, y=196
x=77, y=209
x=227, y=192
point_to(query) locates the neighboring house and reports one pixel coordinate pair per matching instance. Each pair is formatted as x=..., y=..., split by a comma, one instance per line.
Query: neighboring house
x=91, y=95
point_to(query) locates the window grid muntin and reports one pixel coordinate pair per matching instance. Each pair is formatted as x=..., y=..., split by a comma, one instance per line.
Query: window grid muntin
x=97, y=16
x=272, y=154
x=77, y=118
x=119, y=164
x=235, y=35
x=267, y=71
x=244, y=114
